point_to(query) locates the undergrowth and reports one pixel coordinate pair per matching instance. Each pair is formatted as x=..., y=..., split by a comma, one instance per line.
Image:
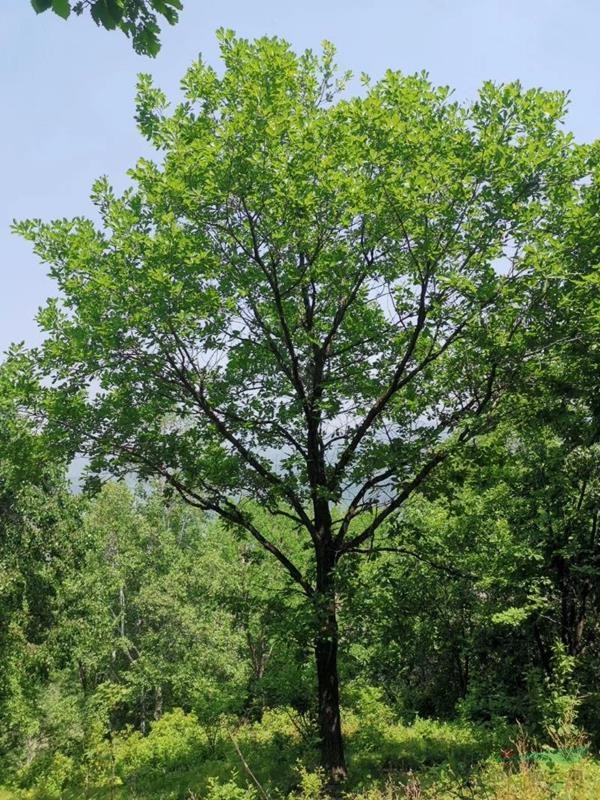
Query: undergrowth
x=276, y=758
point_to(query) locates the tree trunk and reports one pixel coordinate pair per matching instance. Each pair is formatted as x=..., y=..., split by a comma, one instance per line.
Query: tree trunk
x=330, y=727
x=326, y=651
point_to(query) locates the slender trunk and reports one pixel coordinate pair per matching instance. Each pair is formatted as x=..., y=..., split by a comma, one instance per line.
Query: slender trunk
x=83, y=677
x=158, y=702
x=326, y=652
x=143, y=715
x=545, y=657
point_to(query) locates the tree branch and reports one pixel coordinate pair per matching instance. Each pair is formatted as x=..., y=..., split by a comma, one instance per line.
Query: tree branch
x=425, y=559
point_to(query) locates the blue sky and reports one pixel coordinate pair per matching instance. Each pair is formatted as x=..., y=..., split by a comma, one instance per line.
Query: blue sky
x=68, y=87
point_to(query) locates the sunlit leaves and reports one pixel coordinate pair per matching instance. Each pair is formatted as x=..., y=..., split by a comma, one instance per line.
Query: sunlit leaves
x=300, y=266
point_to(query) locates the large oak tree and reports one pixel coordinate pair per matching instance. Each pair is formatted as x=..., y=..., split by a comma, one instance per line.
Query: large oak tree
x=309, y=300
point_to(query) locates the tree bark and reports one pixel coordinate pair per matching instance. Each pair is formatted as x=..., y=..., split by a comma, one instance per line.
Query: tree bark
x=326, y=653
x=330, y=726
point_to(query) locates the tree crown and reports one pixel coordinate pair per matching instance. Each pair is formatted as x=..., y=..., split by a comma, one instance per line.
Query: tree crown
x=311, y=298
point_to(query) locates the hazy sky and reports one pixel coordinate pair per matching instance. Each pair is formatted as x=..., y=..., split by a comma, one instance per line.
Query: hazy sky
x=68, y=87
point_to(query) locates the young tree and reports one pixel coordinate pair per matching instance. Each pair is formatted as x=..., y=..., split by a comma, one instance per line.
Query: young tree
x=310, y=302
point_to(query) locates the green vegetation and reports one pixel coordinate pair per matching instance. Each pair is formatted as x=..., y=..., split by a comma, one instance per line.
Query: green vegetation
x=176, y=661
x=137, y=19
x=333, y=365
x=425, y=759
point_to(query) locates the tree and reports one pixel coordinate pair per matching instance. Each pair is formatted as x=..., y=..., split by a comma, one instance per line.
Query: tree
x=140, y=621
x=36, y=514
x=310, y=302
x=137, y=19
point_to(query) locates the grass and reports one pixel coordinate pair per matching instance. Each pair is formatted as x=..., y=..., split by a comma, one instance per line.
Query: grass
x=389, y=761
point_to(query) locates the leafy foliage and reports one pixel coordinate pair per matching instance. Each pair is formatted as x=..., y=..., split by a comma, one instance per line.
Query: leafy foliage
x=257, y=321
x=138, y=19
x=349, y=347
x=36, y=516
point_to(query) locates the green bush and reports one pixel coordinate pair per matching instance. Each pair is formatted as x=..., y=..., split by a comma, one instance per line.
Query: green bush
x=176, y=742
x=228, y=791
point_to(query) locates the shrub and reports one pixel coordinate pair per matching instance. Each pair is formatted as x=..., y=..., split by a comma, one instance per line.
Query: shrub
x=175, y=743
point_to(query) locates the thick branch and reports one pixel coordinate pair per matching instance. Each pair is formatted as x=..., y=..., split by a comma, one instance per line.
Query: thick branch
x=226, y=510
x=412, y=485
x=407, y=489
x=198, y=394
x=355, y=504
x=457, y=573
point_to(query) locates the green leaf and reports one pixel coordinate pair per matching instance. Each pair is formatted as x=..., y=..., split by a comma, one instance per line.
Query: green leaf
x=159, y=6
x=62, y=8
x=147, y=41
x=116, y=9
x=41, y=5
x=102, y=16
x=512, y=616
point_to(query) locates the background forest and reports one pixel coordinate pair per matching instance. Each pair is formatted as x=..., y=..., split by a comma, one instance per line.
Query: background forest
x=144, y=643
x=330, y=366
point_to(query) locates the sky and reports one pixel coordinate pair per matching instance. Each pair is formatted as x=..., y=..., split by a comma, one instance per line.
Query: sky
x=67, y=89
